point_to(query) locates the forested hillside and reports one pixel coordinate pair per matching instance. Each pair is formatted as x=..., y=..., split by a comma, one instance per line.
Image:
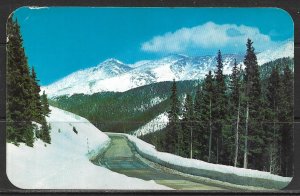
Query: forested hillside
x=123, y=112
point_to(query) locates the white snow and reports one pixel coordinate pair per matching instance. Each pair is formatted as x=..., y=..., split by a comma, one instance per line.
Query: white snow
x=285, y=50
x=84, y=81
x=64, y=164
x=193, y=163
x=156, y=124
x=139, y=63
x=113, y=75
x=154, y=101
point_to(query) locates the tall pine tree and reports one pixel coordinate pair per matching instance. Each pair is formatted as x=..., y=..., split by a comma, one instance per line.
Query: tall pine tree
x=187, y=127
x=273, y=101
x=253, y=130
x=36, y=98
x=206, y=113
x=19, y=91
x=45, y=129
x=200, y=135
x=286, y=119
x=220, y=107
x=173, y=128
x=235, y=104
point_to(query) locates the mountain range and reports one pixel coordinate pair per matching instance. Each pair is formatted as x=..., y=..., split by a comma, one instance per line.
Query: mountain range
x=113, y=75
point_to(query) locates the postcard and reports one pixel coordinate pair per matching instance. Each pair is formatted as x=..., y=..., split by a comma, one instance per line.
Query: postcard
x=150, y=98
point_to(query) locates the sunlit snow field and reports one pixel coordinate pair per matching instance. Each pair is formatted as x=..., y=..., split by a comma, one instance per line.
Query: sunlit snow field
x=64, y=164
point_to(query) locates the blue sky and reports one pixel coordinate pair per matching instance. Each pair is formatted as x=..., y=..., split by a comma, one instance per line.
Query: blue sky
x=59, y=41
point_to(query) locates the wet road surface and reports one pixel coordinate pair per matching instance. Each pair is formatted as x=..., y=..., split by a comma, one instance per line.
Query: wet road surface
x=122, y=157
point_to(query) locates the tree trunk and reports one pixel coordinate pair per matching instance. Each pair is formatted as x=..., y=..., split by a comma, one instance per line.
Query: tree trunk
x=210, y=133
x=271, y=158
x=237, y=137
x=191, y=153
x=217, y=149
x=246, y=138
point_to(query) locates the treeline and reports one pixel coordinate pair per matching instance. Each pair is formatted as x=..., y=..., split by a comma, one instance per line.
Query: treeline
x=26, y=108
x=239, y=122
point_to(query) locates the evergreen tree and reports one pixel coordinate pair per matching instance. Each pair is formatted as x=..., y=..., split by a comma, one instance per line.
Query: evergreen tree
x=206, y=113
x=37, y=114
x=19, y=91
x=253, y=130
x=45, y=132
x=286, y=117
x=186, y=144
x=220, y=106
x=235, y=103
x=173, y=127
x=200, y=142
x=45, y=105
x=273, y=102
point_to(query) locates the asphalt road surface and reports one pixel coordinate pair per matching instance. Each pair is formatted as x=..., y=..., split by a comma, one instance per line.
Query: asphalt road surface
x=122, y=157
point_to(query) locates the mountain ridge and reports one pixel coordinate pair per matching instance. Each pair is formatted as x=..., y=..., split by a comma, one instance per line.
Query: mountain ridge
x=116, y=76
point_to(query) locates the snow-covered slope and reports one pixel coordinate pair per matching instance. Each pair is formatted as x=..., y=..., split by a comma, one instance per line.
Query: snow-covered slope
x=176, y=67
x=64, y=164
x=156, y=124
x=285, y=50
x=112, y=75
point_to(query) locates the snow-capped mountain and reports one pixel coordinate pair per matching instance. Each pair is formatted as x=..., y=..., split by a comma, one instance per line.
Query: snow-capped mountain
x=113, y=75
x=81, y=81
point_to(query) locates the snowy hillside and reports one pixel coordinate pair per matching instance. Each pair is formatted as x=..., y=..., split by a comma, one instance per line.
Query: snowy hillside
x=113, y=75
x=64, y=164
x=156, y=124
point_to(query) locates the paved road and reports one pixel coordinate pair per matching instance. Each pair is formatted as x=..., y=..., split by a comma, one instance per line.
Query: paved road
x=122, y=157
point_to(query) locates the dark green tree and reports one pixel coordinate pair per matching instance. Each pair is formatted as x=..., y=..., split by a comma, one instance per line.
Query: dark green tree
x=235, y=108
x=200, y=135
x=253, y=96
x=45, y=105
x=173, y=127
x=186, y=142
x=206, y=114
x=36, y=104
x=220, y=107
x=286, y=119
x=45, y=132
x=19, y=91
x=273, y=102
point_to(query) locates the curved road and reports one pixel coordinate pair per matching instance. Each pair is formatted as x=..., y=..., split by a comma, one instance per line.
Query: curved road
x=122, y=157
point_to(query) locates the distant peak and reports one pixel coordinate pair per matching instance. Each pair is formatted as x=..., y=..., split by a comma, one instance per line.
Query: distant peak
x=177, y=56
x=110, y=60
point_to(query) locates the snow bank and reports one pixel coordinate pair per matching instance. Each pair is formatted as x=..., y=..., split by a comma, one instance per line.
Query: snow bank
x=224, y=173
x=64, y=164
